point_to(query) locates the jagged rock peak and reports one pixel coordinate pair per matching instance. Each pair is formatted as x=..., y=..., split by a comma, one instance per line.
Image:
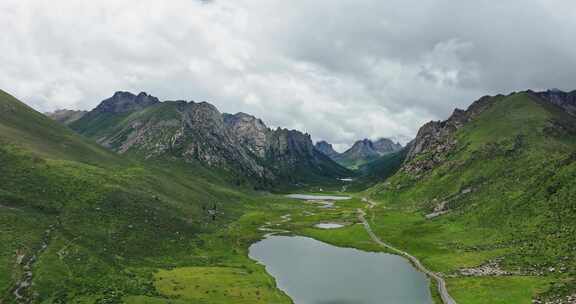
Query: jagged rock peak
x=326, y=148
x=122, y=102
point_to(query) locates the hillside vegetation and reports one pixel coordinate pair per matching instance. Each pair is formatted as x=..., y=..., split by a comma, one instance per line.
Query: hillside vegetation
x=85, y=225
x=496, y=186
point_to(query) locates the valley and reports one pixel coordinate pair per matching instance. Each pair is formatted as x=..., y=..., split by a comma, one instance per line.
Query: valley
x=163, y=202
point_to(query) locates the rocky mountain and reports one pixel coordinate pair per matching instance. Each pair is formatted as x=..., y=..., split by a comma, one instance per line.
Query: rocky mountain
x=292, y=151
x=66, y=116
x=366, y=150
x=361, y=150
x=122, y=102
x=327, y=149
x=239, y=144
x=435, y=139
x=285, y=152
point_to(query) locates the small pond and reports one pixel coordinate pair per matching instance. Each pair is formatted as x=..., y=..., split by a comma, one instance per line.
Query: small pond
x=328, y=225
x=310, y=197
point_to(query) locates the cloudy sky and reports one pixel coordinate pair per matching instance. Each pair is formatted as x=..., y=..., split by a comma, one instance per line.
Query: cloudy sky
x=338, y=69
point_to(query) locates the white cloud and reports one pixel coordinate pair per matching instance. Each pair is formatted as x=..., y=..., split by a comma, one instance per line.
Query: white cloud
x=339, y=69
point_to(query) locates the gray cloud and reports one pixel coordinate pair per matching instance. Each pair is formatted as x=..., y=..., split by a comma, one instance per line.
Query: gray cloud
x=339, y=69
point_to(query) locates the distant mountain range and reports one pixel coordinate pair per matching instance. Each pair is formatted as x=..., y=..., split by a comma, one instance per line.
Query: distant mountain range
x=362, y=152
x=239, y=144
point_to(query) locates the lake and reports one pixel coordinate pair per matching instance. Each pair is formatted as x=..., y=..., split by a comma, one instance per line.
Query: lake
x=313, y=272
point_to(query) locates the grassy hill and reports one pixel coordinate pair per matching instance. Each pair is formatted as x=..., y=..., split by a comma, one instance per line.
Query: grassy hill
x=504, y=192
x=84, y=225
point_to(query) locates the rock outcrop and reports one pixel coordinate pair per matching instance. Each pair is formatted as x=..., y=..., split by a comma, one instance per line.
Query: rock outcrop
x=565, y=100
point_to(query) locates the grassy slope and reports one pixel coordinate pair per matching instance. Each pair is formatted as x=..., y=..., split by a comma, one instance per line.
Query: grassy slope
x=113, y=222
x=32, y=131
x=520, y=209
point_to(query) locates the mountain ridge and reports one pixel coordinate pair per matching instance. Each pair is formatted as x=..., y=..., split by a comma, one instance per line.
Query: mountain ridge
x=361, y=152
x=239, y=143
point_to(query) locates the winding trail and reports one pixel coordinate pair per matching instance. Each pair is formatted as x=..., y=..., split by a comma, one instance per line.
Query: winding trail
x=442, y=290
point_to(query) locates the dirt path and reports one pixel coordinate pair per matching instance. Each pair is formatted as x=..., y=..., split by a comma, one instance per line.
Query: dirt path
x=446, y=298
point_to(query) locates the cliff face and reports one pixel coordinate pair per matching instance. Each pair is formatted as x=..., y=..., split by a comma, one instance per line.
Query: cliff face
x=239, y=143
x=251, y=132
x=326, y=149
x=288, y=147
